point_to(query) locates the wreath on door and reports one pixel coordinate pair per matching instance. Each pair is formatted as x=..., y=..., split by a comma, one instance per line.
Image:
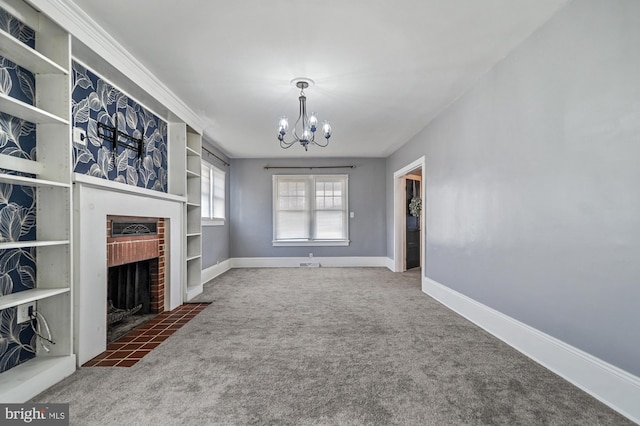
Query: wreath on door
x=415, y=206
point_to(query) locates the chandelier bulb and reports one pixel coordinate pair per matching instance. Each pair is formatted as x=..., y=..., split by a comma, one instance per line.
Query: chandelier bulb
x=313, y=122
x=283, y=126
x=306, y=135
x=326, y=129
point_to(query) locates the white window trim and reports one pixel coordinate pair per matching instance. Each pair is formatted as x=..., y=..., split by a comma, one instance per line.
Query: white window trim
x=214, y=221
x=309, y=242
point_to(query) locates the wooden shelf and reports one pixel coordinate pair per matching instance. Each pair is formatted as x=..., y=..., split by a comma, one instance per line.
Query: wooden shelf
x=15, y=299
x=194, y=257
x=9, y=162
x=23, y=382
x=192, y=152
x=19, y=109
x=25, y=244
x=192, y=174
x=34, y=61
x=27, y=181
x=194, y=234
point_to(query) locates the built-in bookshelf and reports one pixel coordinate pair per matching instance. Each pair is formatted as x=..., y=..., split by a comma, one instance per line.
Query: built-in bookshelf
x=49, y=177
x=185, y=148
x=193, y=215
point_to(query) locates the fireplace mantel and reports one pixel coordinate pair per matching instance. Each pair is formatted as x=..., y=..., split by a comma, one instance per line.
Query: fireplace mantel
x=94, y=200
x=112, y=186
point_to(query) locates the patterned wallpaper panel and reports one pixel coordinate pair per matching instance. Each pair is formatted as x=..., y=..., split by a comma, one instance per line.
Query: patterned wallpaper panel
x=94, y=101
x=17, y=271
x=17, y=136
x=17, y=203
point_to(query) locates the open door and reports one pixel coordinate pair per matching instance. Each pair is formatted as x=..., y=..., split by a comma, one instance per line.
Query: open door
x=409, y=217
x=412, y=221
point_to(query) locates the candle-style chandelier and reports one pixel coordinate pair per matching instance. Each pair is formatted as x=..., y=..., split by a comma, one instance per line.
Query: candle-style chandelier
x=304, y=130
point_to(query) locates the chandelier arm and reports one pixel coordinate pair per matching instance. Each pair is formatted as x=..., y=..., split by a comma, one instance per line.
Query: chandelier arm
x=286, y=145
x=321, y=145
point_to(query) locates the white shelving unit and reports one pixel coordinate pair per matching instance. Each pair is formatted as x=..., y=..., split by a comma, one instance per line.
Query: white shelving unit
x=193, y=242
x=50, y=61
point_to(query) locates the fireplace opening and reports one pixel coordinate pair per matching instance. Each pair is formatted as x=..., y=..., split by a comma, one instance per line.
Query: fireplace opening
x=136, y=272
x=130, y=299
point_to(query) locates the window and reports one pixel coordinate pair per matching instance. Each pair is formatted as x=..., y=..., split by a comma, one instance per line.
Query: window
x=310, y=210
x=213, y=203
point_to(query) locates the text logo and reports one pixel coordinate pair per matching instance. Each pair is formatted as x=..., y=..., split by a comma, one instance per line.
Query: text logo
x=36, y=414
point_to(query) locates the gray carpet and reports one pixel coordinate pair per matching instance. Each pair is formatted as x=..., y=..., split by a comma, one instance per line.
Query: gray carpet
x=327, y=346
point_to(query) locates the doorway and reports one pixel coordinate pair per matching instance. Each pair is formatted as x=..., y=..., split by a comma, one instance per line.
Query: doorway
x=409, y=217
x=413, y=204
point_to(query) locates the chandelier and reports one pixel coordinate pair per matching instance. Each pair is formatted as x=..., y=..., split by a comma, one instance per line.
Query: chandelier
x=304, y=130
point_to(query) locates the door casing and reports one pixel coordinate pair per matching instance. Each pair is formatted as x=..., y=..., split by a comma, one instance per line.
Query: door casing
x=399, y=213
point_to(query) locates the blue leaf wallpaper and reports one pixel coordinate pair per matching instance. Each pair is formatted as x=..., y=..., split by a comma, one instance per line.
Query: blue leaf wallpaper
x=17, y=203
x=94, y=101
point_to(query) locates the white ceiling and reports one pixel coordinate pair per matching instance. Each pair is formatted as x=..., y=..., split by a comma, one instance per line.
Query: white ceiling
x=383, y=69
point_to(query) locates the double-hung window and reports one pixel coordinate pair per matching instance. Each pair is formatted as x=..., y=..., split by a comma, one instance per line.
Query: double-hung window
x=213, y=199
x=310, y=210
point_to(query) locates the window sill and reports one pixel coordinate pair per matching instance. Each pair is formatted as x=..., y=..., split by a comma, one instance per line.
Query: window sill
x=212, y=222
x=317, y=243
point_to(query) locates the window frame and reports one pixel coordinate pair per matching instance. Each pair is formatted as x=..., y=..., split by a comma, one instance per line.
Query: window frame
x=210, y=219
x=311, y=209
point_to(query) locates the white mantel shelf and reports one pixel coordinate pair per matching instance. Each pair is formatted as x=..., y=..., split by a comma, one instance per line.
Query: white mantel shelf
x=109, y=185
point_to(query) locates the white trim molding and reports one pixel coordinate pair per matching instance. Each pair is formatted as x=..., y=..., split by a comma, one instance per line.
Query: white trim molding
x=613, y=386
x=109, y=185
x=192, y=292
x=213, y=271
x=311, y=243
x=73, y=19
x=294, y=262
x=390, y=264
x=399, y=213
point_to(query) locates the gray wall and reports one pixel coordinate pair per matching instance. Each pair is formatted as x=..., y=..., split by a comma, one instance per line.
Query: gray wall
x=215, y=239
x=251, y=207
x=532, y=205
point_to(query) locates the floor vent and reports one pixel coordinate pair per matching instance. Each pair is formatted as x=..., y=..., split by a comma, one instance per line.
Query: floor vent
x=310, y=264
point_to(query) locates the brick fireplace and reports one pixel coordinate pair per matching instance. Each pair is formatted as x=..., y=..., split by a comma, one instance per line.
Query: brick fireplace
x=96, y=200
x=136, y=263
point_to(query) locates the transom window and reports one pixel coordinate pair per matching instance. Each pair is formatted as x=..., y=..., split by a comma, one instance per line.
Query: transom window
x=310, y=210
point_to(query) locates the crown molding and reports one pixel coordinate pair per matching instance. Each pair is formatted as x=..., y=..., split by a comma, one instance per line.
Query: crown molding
x=80, y=25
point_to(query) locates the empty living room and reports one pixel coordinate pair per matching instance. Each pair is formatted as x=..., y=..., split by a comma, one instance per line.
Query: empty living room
x=308, y=213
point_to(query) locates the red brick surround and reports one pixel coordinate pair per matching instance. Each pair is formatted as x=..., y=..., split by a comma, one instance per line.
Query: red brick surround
x=130, y=249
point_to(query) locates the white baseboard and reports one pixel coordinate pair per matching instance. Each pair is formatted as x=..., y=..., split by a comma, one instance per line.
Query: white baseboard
x=193, y=292
x=616, y=388
x=390, y=264
x=294, y=262
x=213, y=271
